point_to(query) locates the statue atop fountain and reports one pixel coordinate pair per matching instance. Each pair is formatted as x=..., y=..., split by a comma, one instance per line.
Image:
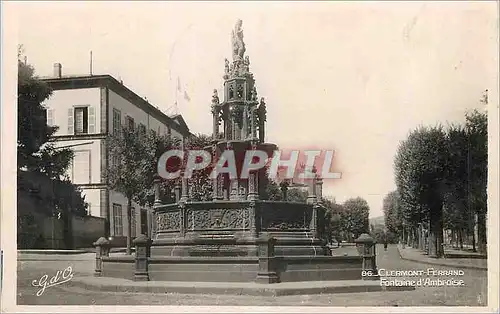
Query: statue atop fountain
x=237, y=41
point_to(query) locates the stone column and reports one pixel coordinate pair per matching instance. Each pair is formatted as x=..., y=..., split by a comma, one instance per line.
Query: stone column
x=215, y=181
x=150, y=216
x=142, y=253
x=267, y=263
x=252, y=214
x=102, y=248
x=252, y=125
x=220, y=187
x=177, y=191
x=319, y=189
x=366, y=248
x=311, y=193
x=253, y=192
x=253, y=180
x=185, y=188
x=227, y=186
x=314, y=220
x=244, y=128
x=182, y=218
x=215, y=130
x=156, y=184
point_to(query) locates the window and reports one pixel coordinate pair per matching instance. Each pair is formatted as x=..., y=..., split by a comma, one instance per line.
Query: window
x=50, y=117
x=117, y=121
x=133, y=222
x=130, y=123
x=117, y=220
x=81, y=120
x=142, y=129
x=81, y=163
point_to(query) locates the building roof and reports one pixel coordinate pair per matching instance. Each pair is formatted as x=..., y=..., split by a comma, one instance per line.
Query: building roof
x=177, y=122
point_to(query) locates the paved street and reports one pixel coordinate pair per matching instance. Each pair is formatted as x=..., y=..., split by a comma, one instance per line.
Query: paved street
x=474, y=293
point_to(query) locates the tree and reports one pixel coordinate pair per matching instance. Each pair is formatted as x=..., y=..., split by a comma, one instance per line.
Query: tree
x=126, y=172
x=456, y=209
x=200, y=183
x=155, y=146
x=354, y=218
x=39, y=161
x=272, y=192
x=420, y=179
x=393, y=213
x=34, y=150
x=333, y=212
x=477, y=129
x=296, y=195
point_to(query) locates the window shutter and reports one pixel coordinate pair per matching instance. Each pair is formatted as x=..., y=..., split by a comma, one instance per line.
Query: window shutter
x=91, y=119
x=71, y=122
x=50, y=117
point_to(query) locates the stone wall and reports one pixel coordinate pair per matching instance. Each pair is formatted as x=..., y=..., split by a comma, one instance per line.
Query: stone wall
x=37, y=225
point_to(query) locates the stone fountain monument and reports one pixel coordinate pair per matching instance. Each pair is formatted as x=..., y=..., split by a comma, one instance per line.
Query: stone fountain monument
x=235, y=236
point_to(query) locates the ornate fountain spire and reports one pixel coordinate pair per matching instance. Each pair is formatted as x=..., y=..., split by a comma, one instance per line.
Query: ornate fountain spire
x=240, y=67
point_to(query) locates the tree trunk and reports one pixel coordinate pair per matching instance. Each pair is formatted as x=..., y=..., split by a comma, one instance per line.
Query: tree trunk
x=414, y=241
x=129, y=226
x=436, y=232
x=481, y=233
x=454, y=238
x=418, y=240
x=432, y=239
x=474, y=249
x=461, y=239
x=419, y=237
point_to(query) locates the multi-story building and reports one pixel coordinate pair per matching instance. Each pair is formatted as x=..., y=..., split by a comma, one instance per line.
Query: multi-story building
x=87, y=109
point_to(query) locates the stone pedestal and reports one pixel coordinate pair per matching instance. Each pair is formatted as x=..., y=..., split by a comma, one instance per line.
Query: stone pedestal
x=366, y=248
x=267, y=270
x=142, y=253
x=102, y=248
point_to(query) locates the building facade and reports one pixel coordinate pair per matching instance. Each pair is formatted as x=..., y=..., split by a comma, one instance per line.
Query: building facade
x=87, y=109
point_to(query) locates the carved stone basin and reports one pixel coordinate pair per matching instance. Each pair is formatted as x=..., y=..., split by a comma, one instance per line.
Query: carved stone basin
x=238, y=224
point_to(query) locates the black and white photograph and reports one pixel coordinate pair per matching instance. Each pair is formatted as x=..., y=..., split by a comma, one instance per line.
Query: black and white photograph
x=249, y=156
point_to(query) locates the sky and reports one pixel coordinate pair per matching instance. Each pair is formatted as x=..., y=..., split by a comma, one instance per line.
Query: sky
x=355, y=77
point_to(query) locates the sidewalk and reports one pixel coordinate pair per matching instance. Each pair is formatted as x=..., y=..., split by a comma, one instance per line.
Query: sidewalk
x=106, y=284
x=416, y=255
x=63, y=255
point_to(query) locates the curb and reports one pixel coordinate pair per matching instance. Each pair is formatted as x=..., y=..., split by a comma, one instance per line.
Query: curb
x=53, y=252
x=68, y=252
x=441, y=264
x=257, y=289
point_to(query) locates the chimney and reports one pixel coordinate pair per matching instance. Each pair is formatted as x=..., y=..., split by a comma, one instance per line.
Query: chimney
x=57, y=70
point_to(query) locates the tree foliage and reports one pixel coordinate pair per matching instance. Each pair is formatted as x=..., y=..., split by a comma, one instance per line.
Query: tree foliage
x=128, y=168
x=393, y=212
x=34, y=150
x=43, y=188
x=154, y=146
x=354, y=217
x=200, y=184
x=441, y=177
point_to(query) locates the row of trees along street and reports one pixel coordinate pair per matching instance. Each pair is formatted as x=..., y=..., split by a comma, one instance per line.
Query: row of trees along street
x=40, y=163
x=441, y=177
